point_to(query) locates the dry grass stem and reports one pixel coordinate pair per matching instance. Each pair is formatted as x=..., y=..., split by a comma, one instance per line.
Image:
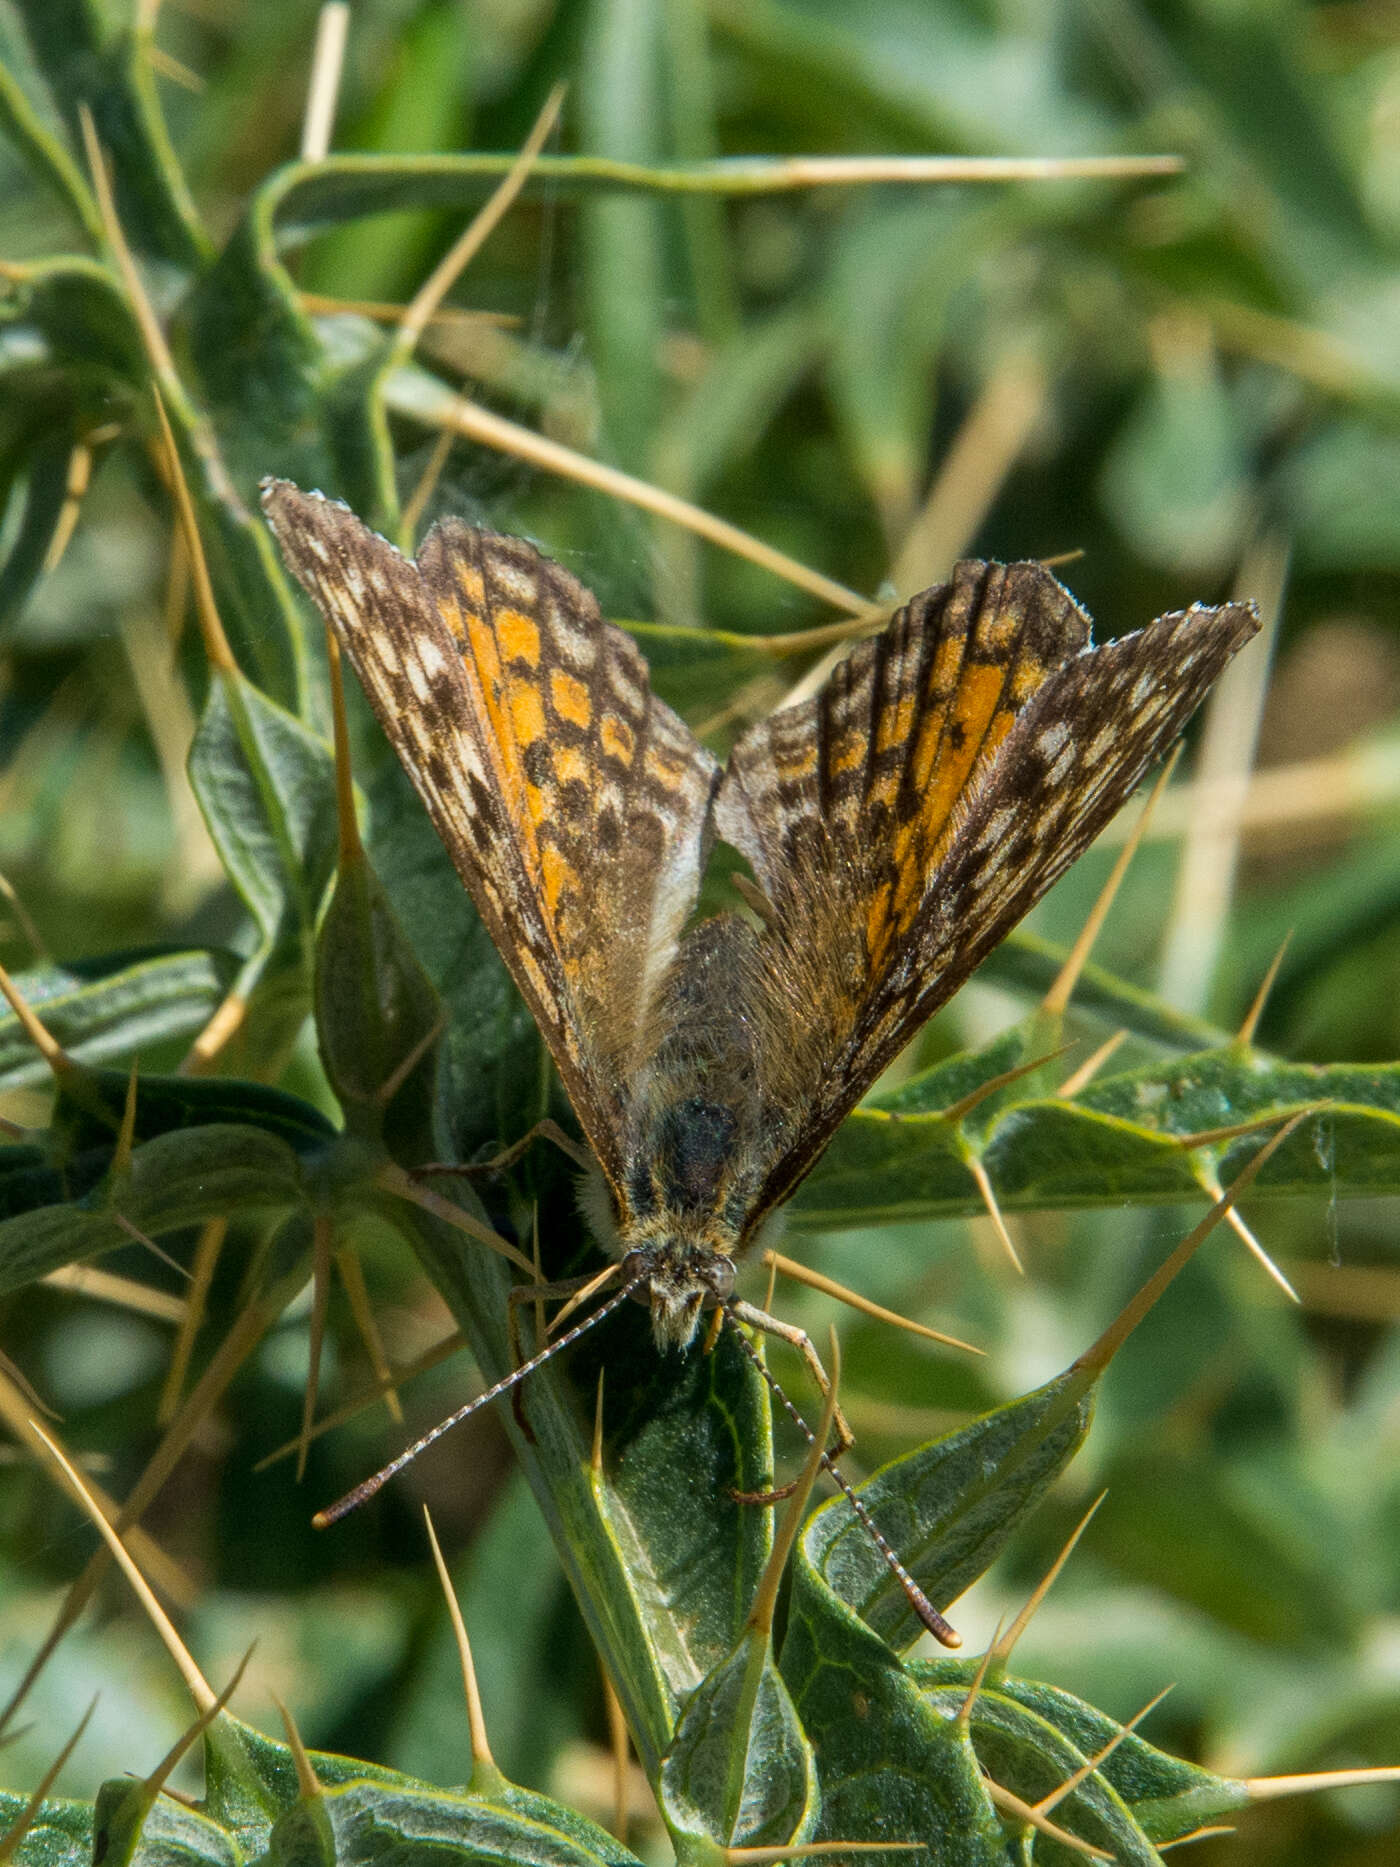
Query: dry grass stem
x=1210, y=854
x=418, y=397
x=323, y=88
x=970, y=478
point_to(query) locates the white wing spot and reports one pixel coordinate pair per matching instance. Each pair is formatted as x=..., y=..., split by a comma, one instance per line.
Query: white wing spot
x=576, y=647
x=997, y=825
x=1101, y=744
x=515, y=580
x=625, y=687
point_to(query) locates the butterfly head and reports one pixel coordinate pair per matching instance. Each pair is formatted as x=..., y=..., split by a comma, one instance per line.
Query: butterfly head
x=680, y=1281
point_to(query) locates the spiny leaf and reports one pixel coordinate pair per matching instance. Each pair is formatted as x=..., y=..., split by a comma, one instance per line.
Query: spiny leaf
x=740, y=1771
x=253, y=1808
x=946, y=1509
x=264, y=783
x=61, y=1834
x=375, y=1006
x=890, y=1769
x=178, y=1179
x=73, y=309
x=116, y=1006
x=127, y=1828
x=1120, y=1139
x=266, y=788
x=87, y=58
x=1028, y=1756
x=665, y=1561
x=44, y=154
x=1167, y=1797
x=516, y=1829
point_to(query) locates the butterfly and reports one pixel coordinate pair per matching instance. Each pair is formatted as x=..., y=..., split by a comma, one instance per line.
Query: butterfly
x=896, y=826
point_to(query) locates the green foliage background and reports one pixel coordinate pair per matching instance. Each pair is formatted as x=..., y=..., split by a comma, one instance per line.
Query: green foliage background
x=1200, y=372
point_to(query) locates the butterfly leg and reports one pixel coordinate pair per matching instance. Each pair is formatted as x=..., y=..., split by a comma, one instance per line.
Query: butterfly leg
x=546, y=1130
x=799, y=1339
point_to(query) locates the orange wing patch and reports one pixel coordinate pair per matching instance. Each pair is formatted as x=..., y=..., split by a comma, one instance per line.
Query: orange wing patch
x=617, y=739
x=569, y=698
x=518, y=635
x=611, y=839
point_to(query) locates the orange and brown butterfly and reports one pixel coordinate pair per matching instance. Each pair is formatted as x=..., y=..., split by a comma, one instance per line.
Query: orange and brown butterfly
x=898, y=825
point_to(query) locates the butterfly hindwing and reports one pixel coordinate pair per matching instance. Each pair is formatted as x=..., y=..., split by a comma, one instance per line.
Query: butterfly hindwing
x=904, y=819
x=571, y=799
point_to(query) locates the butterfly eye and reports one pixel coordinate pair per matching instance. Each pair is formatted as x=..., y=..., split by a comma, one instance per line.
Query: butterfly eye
x=719, y=1275
x=637, y=1268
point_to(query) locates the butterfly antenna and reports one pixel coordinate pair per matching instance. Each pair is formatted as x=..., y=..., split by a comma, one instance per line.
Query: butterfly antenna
x=941, y=1630
x=367, y=1488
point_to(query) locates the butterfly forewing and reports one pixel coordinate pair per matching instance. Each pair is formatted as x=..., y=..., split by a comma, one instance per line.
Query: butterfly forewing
x=909, y=816
x=571, y=800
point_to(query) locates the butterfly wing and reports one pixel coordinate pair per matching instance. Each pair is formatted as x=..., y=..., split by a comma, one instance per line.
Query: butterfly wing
x=572, y=801
x=903, y=820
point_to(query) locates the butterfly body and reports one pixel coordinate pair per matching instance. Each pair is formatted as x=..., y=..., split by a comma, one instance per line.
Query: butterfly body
x=895, y=826
x=689, y=1185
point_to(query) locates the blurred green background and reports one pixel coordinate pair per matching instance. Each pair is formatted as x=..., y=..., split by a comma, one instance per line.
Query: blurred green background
x=1193, y=383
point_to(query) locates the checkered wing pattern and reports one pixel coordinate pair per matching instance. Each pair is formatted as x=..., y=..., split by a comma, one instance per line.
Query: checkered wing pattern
x=572, y=801
x=902, y=821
